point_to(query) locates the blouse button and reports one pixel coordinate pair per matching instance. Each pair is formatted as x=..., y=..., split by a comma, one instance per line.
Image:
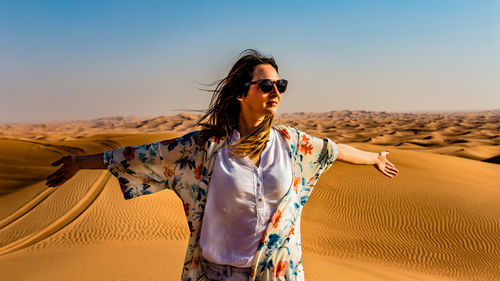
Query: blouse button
x=260, y=199
x=258, y=184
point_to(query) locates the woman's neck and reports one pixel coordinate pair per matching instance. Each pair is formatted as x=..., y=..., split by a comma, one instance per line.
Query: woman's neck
x=247, y=123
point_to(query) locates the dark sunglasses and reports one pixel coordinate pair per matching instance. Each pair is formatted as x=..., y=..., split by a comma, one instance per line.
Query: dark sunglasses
x=266, y=85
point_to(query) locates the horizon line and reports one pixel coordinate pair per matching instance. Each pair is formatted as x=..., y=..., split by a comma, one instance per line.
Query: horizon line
x=201, y=112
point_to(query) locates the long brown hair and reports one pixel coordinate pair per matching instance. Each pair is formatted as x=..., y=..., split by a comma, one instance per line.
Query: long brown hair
x=224, y=110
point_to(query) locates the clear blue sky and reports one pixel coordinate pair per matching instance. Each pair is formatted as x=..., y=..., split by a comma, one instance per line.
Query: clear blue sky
x=66, y=60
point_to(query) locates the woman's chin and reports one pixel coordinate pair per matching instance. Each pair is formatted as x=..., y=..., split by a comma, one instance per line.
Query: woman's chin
x=271, y=111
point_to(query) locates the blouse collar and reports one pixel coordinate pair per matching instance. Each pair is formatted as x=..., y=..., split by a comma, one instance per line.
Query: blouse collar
x=236, y=136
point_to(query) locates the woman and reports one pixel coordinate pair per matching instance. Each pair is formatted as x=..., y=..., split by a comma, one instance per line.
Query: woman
x=259, y=175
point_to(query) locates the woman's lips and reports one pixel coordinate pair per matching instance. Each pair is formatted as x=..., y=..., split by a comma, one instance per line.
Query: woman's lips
x=272, y=103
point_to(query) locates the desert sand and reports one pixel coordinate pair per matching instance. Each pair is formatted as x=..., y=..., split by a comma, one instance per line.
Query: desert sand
x=438, y=219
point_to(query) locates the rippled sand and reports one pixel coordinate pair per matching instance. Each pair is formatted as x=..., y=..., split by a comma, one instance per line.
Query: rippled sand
x=439, y=219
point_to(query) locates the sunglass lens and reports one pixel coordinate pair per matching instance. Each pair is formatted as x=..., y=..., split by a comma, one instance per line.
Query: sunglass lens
x=281, y=85
x=266, y=86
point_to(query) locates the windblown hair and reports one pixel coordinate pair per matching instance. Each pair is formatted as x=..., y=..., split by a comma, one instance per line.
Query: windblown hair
x=224, y=110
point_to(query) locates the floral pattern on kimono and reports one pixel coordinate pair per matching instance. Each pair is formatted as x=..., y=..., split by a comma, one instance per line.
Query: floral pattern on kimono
x=185, y=167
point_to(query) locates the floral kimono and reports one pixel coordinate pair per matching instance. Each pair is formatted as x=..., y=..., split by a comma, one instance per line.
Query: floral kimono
x=185, y=167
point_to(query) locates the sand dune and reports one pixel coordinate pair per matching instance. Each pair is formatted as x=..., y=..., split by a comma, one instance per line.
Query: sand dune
x=465, y=131
x=439, y=219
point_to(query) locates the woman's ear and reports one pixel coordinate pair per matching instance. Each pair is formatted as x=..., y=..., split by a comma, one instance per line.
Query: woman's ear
x=240, y=98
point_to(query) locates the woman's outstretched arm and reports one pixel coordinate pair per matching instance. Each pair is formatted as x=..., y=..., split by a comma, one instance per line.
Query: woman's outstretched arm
x=71, y=165
x=353, y=155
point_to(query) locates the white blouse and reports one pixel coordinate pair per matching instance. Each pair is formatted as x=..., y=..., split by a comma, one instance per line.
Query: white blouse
x=241, y=201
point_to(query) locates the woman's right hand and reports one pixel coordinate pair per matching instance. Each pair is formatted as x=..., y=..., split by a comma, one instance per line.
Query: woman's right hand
x=70, y=167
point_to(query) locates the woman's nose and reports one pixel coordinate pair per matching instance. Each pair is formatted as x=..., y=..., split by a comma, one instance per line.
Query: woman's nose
x=275, y=89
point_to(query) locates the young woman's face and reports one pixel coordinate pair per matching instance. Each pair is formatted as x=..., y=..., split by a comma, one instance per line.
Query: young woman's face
x=257, y=102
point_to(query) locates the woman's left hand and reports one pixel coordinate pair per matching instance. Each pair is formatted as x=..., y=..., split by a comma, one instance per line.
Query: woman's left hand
x=384, y=165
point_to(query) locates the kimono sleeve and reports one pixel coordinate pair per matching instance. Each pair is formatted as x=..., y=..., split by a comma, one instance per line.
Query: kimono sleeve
x=323, y=150
x=148, y=168
x=139, y=169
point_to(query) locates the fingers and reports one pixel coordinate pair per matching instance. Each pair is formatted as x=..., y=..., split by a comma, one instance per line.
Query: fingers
x=54, y=178
x=390, y=165
x=57, y=179
x=61, y=175
x=391, y=171
x=60, y=161
x=54, y=174
x=388, y=174
x=52, y=183
x=57, y=174
x=394, y=170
